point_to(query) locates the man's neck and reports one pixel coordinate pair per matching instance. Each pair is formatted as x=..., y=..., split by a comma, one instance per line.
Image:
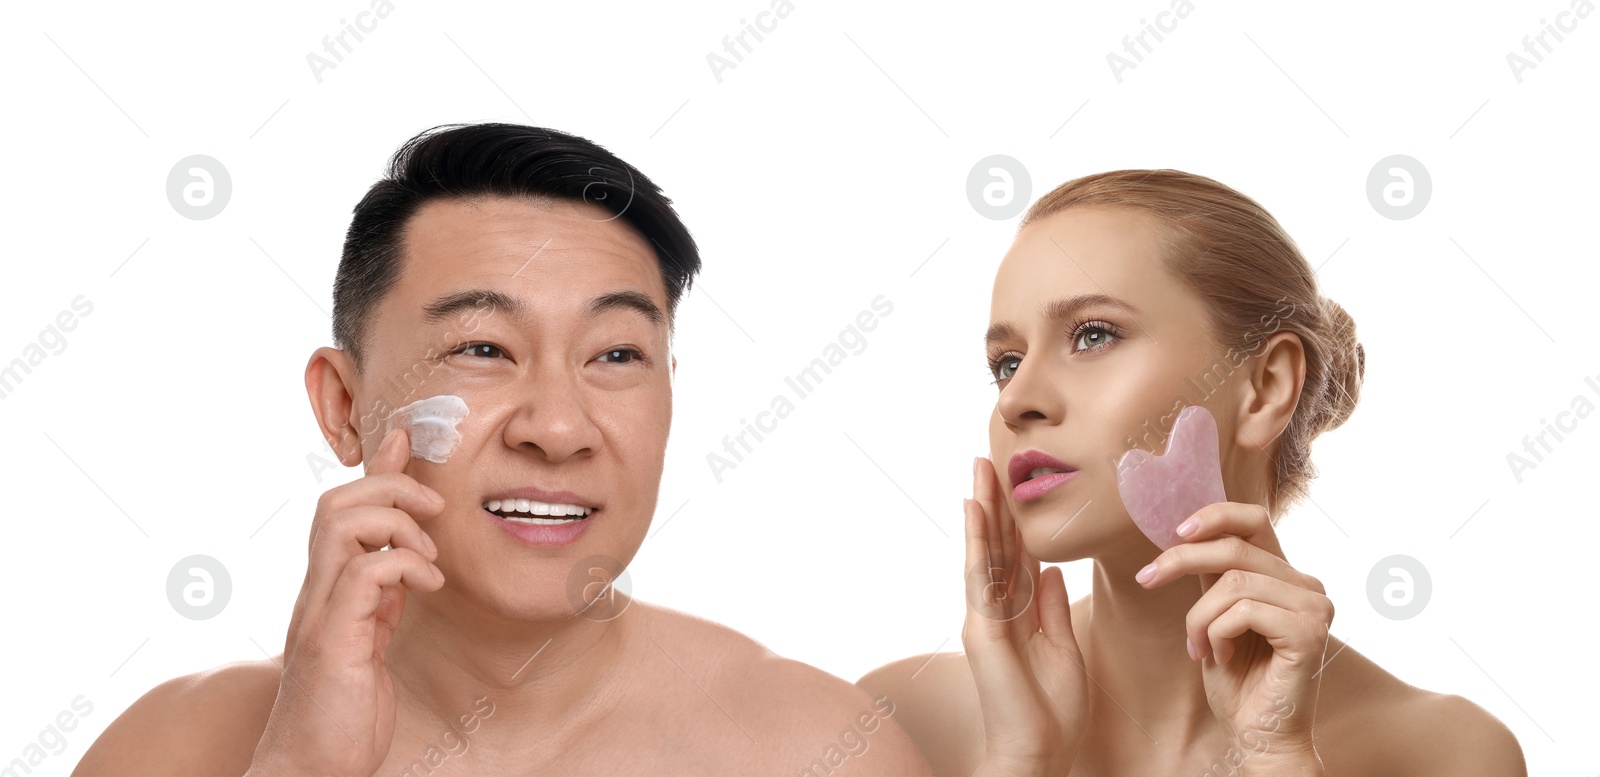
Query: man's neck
x=550, y=677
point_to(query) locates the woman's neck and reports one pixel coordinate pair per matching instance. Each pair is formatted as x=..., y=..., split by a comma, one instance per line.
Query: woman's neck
x=1148, y=691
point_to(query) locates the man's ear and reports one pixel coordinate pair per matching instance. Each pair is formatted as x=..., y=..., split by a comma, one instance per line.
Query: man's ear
x=1274, y=379
x=329, y=375
x=674, y=372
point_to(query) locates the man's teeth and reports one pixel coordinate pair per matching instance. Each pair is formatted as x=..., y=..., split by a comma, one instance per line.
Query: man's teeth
x=524, y=510
x=1042, y=471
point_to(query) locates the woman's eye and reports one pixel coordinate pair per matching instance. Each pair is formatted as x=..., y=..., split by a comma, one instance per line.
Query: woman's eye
x=486, y=350
x=1005, y=367
x=1092, y=337
x=622, y=355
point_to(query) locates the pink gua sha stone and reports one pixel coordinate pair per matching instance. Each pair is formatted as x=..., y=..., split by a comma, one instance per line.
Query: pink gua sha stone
x=1161, y=491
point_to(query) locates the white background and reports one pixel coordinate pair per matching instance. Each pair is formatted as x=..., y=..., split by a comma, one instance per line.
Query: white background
x=827, y=168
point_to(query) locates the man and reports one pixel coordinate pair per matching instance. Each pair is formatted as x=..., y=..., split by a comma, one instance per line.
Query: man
x=457, y=615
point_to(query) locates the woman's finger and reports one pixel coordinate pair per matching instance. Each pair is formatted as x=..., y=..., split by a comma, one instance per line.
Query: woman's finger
x=1236, y=585
x=1295, y=636
x=979, y=569
x=1055, y=611
x=994, y=536
x=1216, y=556
x=995, y=503
x=1250, y=522
x=1025, y=586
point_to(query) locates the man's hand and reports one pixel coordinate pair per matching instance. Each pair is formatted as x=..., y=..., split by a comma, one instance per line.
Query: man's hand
x=335, y=710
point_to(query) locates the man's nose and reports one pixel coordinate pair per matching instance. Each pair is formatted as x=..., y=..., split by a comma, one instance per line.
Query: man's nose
x=553, y=416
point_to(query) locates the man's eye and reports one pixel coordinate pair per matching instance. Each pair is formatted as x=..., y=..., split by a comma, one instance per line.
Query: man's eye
x=486, y=350
x=622, y=355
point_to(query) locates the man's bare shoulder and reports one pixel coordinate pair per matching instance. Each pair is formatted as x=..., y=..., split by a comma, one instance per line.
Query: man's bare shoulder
x=810, y=719
x=1378, y=724
x=202, y=723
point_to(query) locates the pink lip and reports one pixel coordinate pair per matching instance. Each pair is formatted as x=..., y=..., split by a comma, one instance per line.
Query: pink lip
x=1028, y=461
x=1033, y=489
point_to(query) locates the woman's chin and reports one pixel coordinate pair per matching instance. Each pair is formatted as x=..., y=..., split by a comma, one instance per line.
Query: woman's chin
x=1059, y=536
x=1056, y=539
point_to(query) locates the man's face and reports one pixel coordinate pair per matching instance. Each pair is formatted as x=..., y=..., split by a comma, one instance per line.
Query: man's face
x=571, y=393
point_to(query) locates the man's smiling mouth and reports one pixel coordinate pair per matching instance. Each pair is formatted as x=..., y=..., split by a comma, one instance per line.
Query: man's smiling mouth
x=538, y=513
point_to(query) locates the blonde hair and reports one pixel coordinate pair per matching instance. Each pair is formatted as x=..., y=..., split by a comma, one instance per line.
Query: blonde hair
x=1245, y=267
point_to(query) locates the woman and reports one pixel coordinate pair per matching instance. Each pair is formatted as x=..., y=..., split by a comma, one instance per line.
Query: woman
x=1125, y=297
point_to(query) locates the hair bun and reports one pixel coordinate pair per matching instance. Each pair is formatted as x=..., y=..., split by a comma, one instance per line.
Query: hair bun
x=1346, y=366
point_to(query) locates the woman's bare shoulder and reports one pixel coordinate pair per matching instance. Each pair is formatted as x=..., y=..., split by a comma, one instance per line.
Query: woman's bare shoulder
x=1373, y=723
x=939, y=702
x=936, y=702
x=202, y=723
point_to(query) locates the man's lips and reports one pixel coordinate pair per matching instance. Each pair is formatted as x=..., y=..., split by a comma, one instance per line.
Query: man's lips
x=538, y=503
x=1022, y=465
x=548, y=497
x=541, y=517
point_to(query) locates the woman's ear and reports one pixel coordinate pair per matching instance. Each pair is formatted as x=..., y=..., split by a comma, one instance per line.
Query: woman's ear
x=1276, y=375
x=327, y=385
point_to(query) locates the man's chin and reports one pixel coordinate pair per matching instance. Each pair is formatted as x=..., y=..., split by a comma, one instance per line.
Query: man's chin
x=577, y=584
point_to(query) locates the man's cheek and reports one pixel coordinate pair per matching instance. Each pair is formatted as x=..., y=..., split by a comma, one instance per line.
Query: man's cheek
x=638, y=428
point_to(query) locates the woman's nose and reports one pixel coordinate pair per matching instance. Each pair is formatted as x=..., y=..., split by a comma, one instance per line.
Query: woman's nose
x=1031, y=396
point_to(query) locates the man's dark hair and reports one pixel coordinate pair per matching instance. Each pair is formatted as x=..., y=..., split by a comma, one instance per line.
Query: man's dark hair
x=472, y=160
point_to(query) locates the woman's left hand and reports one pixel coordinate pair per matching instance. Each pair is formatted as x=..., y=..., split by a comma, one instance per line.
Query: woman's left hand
x=1260, y=631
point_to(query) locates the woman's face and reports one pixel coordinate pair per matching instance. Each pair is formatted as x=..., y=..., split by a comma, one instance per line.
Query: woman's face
x=1095, y=346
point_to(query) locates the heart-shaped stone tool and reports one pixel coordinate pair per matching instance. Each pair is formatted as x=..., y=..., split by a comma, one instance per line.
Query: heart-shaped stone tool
x=1161, y=491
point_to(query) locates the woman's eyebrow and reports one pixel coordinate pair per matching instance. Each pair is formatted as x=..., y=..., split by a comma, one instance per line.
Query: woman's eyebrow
x=1059, y=311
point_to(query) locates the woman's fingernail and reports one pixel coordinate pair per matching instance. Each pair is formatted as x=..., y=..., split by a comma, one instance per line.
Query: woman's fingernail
x=1147, y=574
x=1189, y=645
x=1187, y=527
x=975, y=460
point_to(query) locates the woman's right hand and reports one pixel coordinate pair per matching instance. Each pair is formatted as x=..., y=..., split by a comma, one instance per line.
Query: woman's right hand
x=335, y=710
x=1018, y=636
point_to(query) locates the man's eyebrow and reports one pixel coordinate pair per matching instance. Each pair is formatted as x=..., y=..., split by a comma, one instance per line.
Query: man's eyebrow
x=447, y=306
x=636, y=301
x=1060, y=310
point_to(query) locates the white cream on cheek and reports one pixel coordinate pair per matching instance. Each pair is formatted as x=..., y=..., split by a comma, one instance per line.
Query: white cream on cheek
x=432, y=423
